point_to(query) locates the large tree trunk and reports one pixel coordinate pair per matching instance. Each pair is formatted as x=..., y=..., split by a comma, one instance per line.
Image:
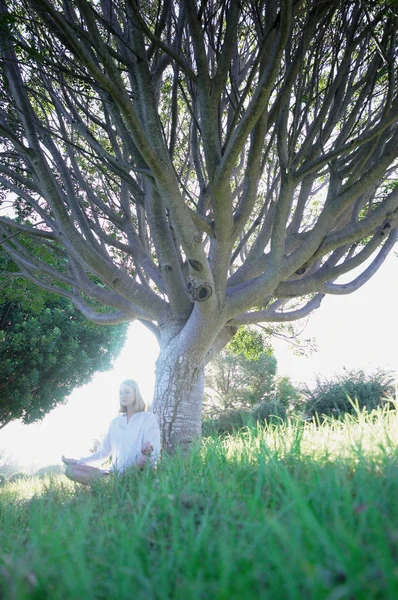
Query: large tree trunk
x=178, y=397
x=179, y=386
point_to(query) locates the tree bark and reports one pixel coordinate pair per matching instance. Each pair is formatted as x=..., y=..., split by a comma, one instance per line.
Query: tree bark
x=178, y=396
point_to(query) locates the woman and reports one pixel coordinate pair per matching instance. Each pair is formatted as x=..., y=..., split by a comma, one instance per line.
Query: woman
x=133, y=439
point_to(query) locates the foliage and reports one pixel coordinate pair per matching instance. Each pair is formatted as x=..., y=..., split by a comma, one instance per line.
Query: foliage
x=235, y=381
x=287, y=393
x=276, y=407
x=17, y=477
x=49, y=470
x=8, y=464
x=269, y=412
x=232, y=420
x=242, y=386
x=47, y=348
x=278, y=512
x=343, y=393
x=249, y=343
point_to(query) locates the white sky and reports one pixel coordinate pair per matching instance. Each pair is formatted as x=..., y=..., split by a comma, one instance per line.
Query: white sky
x=354, y=331
x=359, y=330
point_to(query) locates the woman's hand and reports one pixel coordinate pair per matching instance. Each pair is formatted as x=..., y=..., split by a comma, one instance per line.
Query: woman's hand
x=69, y=461
x=147, y=449
x=141, y=461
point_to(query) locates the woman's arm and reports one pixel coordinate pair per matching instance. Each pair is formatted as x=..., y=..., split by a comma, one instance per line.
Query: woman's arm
x=151, y=447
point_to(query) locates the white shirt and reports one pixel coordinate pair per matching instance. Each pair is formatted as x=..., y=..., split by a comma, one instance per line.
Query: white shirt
x=124, y=441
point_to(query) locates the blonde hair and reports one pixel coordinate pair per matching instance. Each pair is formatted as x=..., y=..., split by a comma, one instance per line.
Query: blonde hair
x=139, y=401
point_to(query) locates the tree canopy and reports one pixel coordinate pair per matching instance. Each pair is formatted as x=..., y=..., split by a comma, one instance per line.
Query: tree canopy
x=198, y=165
x=47, y=348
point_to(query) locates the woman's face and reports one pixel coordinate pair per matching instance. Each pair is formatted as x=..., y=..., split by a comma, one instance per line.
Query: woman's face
x=127, y=395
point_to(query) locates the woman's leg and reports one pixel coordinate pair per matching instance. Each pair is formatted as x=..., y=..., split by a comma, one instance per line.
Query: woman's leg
x=84, y=473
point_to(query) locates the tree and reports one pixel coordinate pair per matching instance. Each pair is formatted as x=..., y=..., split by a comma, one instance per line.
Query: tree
x=198, y=166
x=235, y=381
x=47, y=348
x=242, y=375
x=8, y=466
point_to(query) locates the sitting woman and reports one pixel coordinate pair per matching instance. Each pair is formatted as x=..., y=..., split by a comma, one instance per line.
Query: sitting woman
x=133, y=440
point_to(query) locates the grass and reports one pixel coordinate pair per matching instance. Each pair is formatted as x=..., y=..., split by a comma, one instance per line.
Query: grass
x=292, y=511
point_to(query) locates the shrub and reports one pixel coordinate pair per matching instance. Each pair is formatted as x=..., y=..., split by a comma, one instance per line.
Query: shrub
x=233, y=420
x=335, y=397
x=16, y=477
x=226, y=422
x=49, y=470
x=287, y=394
x=267, y=411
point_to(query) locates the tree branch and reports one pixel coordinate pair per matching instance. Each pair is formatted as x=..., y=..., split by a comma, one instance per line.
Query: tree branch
x=273, y=316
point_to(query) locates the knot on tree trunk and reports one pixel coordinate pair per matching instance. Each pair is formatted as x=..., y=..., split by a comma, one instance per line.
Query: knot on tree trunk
x=198, y=290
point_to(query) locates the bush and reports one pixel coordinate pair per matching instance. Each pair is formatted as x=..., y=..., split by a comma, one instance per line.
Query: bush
x=282, y=398
x=335, y=397
x=3, y=479
x=287, y=394
x=16, y=477
x=49, y=470
x=268, y=411
x=233, y=420
x=227, y=422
